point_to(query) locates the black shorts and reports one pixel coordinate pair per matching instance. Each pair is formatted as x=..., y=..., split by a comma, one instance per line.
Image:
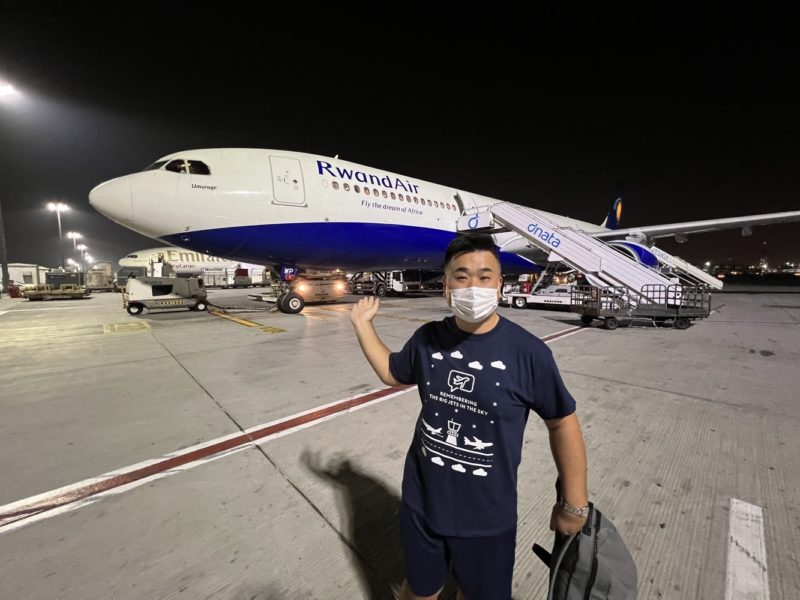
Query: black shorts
x=482, y=566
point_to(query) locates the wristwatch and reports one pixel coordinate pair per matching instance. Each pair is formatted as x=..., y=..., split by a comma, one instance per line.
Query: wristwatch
x=580, y=511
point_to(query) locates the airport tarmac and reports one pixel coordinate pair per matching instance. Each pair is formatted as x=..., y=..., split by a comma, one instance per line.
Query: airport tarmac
x=186, y=455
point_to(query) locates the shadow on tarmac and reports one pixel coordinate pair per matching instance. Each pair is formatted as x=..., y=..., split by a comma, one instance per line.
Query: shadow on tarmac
x=369, y=509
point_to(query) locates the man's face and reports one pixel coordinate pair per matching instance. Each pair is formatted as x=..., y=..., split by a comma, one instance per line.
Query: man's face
x=472, y=269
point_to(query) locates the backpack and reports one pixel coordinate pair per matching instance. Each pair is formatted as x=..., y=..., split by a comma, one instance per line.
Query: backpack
x=593, y=564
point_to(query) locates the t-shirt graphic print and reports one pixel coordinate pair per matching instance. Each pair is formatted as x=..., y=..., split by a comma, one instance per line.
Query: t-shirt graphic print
x=476, y=393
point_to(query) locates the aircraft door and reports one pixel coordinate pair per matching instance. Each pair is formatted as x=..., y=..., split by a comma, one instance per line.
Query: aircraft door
x=287, y=181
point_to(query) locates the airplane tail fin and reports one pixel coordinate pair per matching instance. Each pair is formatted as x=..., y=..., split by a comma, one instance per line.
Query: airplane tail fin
x=614, y=216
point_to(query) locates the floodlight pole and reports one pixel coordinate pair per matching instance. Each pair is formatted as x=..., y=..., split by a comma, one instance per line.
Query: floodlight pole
x=3, y=255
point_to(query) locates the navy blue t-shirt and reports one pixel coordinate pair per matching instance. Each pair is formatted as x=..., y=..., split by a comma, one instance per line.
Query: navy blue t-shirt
x=476, y=392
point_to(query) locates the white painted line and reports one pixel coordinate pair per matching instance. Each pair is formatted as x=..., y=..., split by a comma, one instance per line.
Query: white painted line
x=747, y=555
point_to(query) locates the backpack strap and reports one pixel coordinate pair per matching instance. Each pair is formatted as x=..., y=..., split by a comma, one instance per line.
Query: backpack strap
x=555, y=566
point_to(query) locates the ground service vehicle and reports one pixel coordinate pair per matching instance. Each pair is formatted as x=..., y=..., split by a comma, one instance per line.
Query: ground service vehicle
x=65, y=291
x=551, y=296
x=241, y=278
x=291, y=293
x=59, y=285
x=678, y=304
x=164, y=292
x=381, y=283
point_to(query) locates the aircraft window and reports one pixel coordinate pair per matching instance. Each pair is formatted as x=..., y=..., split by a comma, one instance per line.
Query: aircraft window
x=385, y=195
x=346, y=187
x=430, y=203
x=435, y=204
x=132, y=256
x=408, y=197
x=374, y=191
x=177, y=166
x=416, y=201
x=393, y=196
x=357, y=189
x=198, y=168
x=448, y=206
x=335, y=185
x=155, y=166
x=366, y=191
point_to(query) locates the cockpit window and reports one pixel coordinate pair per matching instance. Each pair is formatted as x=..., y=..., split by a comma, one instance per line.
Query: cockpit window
x=155, y=166
x=198, y=168
x=195, y=167
x=177, y=166
x=132, y=256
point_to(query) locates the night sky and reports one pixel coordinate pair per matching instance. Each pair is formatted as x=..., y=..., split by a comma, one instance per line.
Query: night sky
x=690, y=113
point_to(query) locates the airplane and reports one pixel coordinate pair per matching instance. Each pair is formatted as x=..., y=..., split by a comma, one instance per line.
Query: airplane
x=294, y=210
x=437, y=431
x=477, y=444
x=181, y=260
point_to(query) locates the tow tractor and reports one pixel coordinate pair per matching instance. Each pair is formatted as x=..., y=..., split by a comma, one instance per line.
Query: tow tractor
x=164, y=292
x=291, y=292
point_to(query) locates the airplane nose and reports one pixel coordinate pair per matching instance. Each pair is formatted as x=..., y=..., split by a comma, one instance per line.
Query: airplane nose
x=114, y=199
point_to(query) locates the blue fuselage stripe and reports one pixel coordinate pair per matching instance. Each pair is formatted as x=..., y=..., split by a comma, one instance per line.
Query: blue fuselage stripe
x=350, y=246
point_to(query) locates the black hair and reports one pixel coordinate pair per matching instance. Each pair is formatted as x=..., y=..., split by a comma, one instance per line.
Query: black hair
x=471, y=242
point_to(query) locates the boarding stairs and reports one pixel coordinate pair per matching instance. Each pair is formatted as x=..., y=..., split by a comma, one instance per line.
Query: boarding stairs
x=686, y=271
x=599, y=262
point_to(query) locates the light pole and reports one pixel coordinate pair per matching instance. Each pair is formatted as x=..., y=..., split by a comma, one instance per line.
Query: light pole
x=58, y=208
x=7, y=92
x=74, y=235
x=83, y=248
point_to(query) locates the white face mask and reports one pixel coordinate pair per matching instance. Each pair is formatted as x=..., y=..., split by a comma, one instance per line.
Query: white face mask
x=473, y=304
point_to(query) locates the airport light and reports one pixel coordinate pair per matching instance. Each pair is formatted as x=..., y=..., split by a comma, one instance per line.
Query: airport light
x=74, y=235
x=7, y=90
x=58, y=208
x=73, y=263
x=89, y=260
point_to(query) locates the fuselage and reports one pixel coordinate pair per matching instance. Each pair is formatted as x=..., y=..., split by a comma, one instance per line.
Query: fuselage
x=289, y=208
x=181, y=260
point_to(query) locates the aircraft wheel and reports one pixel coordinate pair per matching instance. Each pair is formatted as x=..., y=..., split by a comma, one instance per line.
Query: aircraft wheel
x=587, y=319
x=611, y=323
x=681, y=323
x=520, y=302
x=134, y=309
x=292, y=303
x=201, y=305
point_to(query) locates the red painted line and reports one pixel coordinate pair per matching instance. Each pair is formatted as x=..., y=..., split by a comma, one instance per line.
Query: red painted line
x=555, y=336
x=199, y=454
x=242, y=439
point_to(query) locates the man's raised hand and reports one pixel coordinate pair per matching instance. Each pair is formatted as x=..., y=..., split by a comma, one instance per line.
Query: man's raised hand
x=364, y=310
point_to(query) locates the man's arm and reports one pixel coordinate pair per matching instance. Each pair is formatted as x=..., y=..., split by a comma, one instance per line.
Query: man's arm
x=374, y=349
x=569, y=454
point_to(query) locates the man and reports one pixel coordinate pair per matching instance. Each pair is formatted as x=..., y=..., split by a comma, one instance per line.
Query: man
x=479, y=375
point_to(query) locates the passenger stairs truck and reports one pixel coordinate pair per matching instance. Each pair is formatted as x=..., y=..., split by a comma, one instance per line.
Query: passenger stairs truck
x=637, y=289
